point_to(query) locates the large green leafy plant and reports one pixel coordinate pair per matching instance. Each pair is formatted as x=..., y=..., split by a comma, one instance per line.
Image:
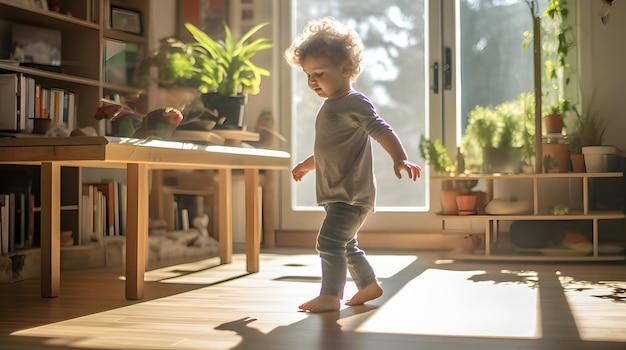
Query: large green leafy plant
x=227, y=67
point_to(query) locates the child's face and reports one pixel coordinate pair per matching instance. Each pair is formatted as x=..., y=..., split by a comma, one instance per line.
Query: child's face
x=325, y=78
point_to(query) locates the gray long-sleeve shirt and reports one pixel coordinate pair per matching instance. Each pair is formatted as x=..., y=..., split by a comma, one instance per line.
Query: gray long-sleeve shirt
x=343, y=150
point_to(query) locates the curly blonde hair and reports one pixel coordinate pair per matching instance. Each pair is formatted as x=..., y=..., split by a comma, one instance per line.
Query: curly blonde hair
x=327, y=37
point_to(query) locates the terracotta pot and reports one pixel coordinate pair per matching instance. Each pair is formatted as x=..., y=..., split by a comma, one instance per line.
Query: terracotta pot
x=448, y=202
x=560, y=152
x=578, y=163
x=553, y=123
x=466, y=204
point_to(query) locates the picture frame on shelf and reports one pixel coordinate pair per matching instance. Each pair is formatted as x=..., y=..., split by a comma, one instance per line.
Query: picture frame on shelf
x=126, y=20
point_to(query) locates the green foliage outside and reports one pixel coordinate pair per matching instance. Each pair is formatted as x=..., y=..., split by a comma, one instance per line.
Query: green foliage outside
x=509, y=124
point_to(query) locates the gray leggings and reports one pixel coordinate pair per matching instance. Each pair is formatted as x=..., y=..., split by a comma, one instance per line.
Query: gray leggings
x=339, y=251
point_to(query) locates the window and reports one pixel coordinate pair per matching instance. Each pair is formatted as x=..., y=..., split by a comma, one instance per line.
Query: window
x=393, y=77
x=404, y=39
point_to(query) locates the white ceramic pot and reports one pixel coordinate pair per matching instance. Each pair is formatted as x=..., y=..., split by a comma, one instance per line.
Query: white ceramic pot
x=594, y=157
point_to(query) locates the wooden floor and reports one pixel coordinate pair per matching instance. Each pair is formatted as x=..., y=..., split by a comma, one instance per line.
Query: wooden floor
x=428, y=304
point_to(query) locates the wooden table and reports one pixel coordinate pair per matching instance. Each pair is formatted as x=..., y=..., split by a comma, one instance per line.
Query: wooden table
x=138, y=157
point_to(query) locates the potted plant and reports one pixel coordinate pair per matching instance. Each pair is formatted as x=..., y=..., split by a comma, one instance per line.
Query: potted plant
x=227, y=73
x=553, y=119
x=452, y=192
x=176, y=65
x=435, y=154
x=213, y=77
x=585, y=137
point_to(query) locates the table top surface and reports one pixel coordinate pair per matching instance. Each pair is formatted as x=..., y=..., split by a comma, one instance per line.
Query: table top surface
x=117, y=152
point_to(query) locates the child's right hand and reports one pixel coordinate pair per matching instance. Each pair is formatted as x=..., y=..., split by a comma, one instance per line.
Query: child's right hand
x=299, y=171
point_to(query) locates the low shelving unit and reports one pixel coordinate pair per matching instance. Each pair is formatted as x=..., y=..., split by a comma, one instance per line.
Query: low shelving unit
x=595, y=202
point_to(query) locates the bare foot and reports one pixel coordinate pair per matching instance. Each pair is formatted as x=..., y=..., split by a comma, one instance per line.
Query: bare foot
x=370, y=292
x=321, y=303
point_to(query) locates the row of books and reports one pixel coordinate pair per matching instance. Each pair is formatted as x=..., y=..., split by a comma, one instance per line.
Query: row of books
x=17, y=204
x=23, y=99
x=16, y=221
x=103, y=208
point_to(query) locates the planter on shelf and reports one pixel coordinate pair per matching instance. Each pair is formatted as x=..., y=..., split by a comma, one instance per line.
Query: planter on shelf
x=594, y=157
x=448, y=202
x=553, y=123
x=558, y=156
x=578, y=163
x=229, y=109
x=466, y=204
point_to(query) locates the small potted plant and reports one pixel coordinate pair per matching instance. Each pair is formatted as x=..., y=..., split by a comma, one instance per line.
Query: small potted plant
x=178, y=83
x=553, y=119
x=452, y=192
x=435, y=154
x=585, y=137
x=227, y=73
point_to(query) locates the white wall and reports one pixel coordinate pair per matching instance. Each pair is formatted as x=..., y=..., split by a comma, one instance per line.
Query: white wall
x=603, y=66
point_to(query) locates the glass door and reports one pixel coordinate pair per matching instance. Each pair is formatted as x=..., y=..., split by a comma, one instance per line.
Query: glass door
x=395, y=77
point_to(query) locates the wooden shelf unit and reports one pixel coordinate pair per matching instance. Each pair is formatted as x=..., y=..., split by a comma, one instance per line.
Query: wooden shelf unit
x=546, y=190
x=83, y=34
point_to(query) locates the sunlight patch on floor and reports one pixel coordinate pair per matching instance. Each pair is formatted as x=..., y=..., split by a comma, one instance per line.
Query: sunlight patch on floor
x=598, y=308
x=461, y=303
x=180, y=269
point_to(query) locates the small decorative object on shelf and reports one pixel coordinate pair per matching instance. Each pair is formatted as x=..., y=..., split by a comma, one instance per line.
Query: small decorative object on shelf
x=559, y=210
x=460, y=161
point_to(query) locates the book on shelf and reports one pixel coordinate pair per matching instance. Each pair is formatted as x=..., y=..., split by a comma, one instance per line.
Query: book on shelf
x=106, y=208
x=13, y=102
x=87, y=217
x=38, y=101
x=56, y=105
x=9, y=102
x=6, y=222
x=18, y=185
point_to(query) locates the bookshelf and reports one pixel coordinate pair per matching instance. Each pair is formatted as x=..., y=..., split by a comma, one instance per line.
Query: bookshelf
x=85, y=28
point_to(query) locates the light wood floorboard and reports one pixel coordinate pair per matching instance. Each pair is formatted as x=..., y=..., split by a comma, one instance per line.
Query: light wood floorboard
x=428, y=304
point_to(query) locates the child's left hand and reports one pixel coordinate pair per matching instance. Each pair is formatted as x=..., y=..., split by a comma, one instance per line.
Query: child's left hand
x=414, y=170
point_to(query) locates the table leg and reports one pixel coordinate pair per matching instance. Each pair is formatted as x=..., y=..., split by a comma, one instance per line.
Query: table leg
x=136, y=228
x=225, y=209
x=50, y=229
x=253, y=237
